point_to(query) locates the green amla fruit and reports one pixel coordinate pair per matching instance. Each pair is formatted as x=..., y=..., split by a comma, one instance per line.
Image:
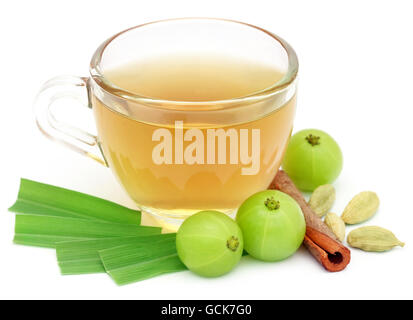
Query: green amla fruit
x=313, y=158
x=273, y=225
x=209, y=243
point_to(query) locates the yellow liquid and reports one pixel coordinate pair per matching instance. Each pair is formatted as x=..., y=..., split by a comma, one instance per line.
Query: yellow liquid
x=183, y=189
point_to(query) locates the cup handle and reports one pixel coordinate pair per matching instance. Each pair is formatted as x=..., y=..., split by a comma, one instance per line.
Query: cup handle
x=66, y=87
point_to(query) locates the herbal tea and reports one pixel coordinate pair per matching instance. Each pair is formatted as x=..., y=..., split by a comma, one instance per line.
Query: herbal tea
x=181, y=167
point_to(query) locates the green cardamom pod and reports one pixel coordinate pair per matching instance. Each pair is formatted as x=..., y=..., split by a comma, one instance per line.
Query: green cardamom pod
x=375, y=239
x=322, y=199
x=336, y=224
x=361, y=208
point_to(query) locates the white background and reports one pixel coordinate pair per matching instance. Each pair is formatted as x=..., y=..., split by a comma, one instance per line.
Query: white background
x=355, y=83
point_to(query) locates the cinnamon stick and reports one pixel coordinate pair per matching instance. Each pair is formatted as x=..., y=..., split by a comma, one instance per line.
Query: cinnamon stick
x=319, y=239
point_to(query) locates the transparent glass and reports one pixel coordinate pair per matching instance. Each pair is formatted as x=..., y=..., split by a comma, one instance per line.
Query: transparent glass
x=218, y=177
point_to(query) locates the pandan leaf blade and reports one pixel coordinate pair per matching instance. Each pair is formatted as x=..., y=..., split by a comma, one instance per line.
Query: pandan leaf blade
x=143, y=271
x=82, y=257
x=129, y=263
x=44, y=199
x=35, y=225
x=81, y=267
x=43, y=241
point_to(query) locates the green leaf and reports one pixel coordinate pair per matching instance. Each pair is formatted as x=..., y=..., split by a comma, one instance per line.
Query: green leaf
x=36, y=226
x=43, y=199
x=150, y=269
x=132, y=263
x=44, y=241
x=81, y=257
x=81, y=267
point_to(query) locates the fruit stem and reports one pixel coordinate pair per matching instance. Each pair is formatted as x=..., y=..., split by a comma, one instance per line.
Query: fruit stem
x=232, y=243
x=272, y=204
x=313, y=140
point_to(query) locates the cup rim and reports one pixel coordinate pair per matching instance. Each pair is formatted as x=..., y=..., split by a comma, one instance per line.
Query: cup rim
x=281, y=85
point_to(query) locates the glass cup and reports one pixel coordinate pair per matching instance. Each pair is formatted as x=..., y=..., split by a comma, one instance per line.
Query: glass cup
x=175, y=158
